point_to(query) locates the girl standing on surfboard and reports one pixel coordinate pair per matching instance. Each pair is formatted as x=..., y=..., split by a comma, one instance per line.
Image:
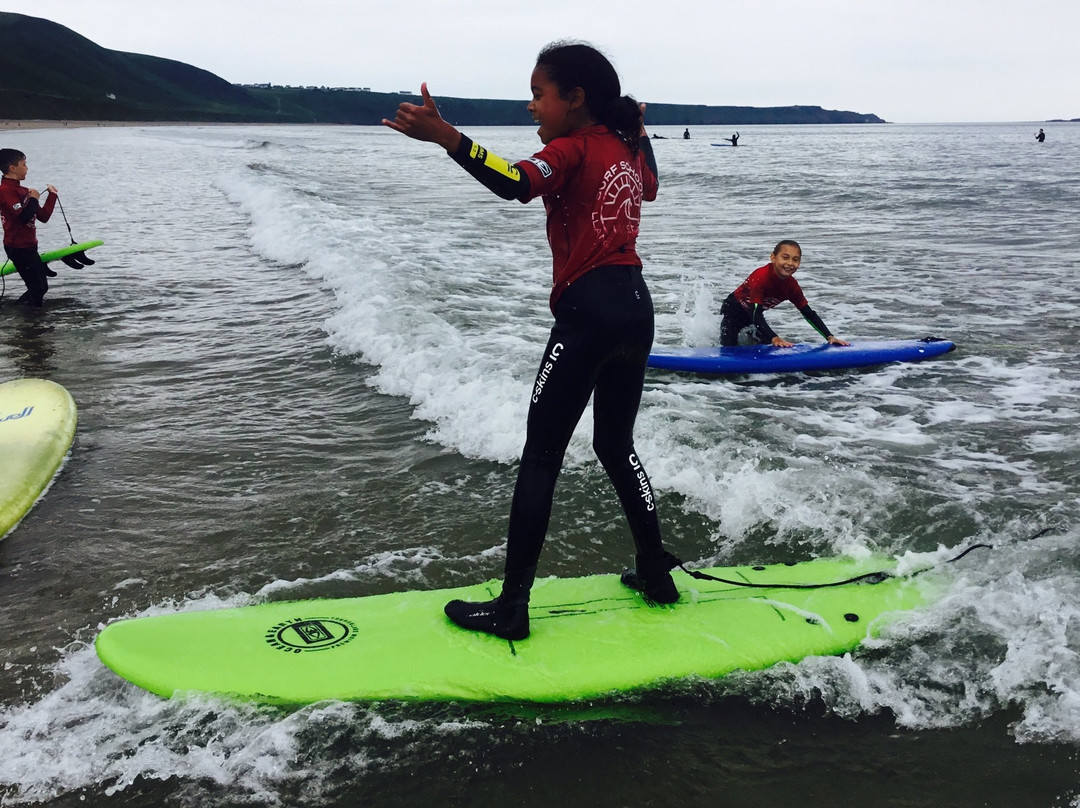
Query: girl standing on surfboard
x=593, y=173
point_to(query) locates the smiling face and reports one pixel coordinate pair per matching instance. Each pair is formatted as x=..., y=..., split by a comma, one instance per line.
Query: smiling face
x=786, y=260
x=556, y=114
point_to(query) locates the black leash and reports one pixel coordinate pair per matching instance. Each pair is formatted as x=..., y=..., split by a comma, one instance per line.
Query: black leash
x=76, y=260
x=865, y=578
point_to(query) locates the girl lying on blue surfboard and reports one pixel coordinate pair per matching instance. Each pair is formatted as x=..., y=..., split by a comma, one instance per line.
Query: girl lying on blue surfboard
x=743, y=311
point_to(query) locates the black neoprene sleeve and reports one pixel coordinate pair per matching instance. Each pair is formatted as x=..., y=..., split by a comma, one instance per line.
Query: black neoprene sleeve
x=29, y=210
x=647, y=152
x=757, y=317
x=493, y=172
x=812, y=318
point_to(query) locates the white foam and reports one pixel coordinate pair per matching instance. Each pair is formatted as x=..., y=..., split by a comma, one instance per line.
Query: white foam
x=441, y=290
x=96, y=731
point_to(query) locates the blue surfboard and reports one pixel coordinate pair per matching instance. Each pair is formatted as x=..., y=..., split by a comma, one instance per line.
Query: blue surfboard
x=802, y=357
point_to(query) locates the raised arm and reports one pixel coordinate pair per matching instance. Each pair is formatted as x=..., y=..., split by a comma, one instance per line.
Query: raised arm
x=45, y=212
x=493, y=172
x=645, y=145
x=425, y=123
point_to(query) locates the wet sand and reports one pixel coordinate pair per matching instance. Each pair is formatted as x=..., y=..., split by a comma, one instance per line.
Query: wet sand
x=39, y=123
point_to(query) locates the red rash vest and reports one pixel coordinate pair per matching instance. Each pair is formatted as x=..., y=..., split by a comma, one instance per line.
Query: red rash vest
x=20, y=213
x=765, y=288
x=593, y=188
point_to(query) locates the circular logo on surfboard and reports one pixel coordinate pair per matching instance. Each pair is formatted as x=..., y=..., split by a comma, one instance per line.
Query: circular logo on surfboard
x=311, y=634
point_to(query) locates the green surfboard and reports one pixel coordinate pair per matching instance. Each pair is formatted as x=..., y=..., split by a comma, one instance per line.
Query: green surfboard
x=590, y=637
x=54, y=255
x=37, y=426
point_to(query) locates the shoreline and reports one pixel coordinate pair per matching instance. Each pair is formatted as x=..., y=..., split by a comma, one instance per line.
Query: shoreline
x=31, y=124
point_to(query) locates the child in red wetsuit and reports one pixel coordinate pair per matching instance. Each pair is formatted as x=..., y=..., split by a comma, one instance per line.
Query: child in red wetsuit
x=20, y=210
x=743, y=311
x=593, y=173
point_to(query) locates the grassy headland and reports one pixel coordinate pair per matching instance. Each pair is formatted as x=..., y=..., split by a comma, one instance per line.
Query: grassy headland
x=82, y=81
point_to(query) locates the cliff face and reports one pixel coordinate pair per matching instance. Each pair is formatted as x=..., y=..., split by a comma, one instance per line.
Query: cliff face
x=51, y=72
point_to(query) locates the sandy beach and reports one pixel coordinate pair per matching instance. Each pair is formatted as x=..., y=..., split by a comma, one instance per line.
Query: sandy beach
x=41, y=123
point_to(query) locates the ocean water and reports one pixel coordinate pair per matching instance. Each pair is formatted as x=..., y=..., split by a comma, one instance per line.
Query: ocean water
x=302, y=364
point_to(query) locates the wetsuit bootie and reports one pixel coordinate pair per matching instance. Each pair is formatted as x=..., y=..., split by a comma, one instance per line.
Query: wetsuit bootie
x=50, y=273
x=652, y=577
x=510, y=621
x=507, y=616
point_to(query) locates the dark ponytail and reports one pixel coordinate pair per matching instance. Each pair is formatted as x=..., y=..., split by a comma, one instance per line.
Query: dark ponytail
x=578, y=64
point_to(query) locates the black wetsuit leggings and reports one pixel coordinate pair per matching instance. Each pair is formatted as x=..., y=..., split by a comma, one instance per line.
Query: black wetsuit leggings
x=737, y=326
x=598, y=347
x=32, y=270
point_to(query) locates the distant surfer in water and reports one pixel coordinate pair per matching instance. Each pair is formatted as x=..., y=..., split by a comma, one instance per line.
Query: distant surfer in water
x=733, y=140
x=686, y=134
x=1041, y=136
x=593, y=173
x=20, y=210
x=743, y=311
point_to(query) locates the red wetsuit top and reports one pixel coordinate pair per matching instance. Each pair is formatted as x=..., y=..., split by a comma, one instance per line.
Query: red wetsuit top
x=592, y=185
x=20, y=213
x=593, y=188
x=763, y=290
x=767, y=289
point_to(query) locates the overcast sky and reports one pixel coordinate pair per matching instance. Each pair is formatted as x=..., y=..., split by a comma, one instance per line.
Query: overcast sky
x=904, y=60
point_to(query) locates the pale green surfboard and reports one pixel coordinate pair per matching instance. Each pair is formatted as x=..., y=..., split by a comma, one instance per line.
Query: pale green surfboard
x=590, y=636
x=37, y=426
x=52, y=255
